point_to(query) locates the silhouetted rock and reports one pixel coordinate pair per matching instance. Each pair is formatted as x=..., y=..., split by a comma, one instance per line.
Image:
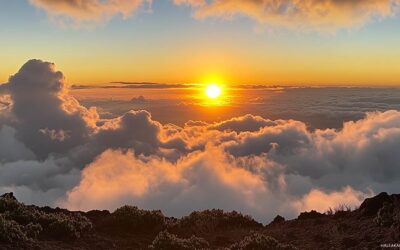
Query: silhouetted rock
x=371, y=206
x=9, y=196
x=278, y=219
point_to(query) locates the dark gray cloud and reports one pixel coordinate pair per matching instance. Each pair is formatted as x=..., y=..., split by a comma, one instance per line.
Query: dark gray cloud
x=134, y=129
x=40, y=102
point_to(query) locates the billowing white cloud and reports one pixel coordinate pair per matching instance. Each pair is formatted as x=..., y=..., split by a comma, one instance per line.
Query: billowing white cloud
x=282, y=168
x=199, y=180
x=245, y=123
x=54, y=150
x=346, y=197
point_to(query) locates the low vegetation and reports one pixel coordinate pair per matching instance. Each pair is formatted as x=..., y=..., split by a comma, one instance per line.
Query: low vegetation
x=129, y=227
x=20, y=223
x=130, y=219
x=167, y=241
x=212, y=220
x=11, y=231
x=257, y=241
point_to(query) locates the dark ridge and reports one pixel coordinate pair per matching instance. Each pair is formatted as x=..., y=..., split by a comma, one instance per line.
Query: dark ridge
x=278, y=219
x=376, y=222
x=371, y=205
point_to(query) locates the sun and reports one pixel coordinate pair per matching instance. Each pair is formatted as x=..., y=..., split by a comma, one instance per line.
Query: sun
x=213, y=91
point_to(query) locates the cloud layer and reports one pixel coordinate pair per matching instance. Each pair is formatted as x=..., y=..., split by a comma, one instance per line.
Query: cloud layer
x=310, y=14
x=326, y=15
x=55, y=151
x=88, y=11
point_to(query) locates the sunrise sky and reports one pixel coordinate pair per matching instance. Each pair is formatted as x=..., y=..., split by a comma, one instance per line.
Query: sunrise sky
x=191, y=41
x=185, y=105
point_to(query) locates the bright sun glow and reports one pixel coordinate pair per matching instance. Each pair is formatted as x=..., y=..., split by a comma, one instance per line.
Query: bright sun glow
x=213, y=91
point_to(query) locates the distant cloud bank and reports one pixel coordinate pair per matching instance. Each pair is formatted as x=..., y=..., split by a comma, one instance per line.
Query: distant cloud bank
x=55, y=151
x=315, y=15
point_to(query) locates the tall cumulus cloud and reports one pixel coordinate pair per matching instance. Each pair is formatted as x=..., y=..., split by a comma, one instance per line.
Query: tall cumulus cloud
x=55, y=151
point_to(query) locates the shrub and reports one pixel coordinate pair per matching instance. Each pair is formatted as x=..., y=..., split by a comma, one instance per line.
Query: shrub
x=12, y=209
x=310, y=215
x=132, y=219
x=340, y=211
x=167, y=241
x=67, y=227
x=51, y=223
x=11, y=231
x=24, y=215
x=33, y=230
x=97, y=216
x=258, y=241
x=210, y=220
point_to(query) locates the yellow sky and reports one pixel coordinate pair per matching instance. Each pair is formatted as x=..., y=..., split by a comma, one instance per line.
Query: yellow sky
x=177, y=45
x=229, y=67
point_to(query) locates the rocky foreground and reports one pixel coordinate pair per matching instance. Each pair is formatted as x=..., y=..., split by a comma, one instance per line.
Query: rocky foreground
x=374, y=223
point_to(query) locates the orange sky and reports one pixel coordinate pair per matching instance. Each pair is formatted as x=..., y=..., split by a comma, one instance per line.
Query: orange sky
x=184, y=42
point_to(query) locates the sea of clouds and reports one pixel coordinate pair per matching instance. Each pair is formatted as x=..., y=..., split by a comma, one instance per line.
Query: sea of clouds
x=318, y=107
x=54, y=151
